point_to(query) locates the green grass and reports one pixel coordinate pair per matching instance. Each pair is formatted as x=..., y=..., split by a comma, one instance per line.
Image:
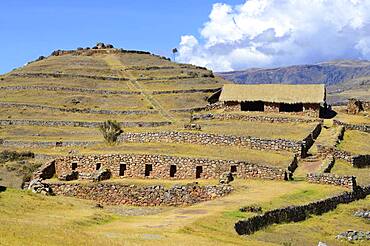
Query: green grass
x=65, y=99
x=70, y=221
x=294, y=131
x=39, y=114
x=344, y=168
x=278, y=159
x=356, y=142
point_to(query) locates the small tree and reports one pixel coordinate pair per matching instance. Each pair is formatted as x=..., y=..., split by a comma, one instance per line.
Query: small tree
x=174, y=51
x=110, y=130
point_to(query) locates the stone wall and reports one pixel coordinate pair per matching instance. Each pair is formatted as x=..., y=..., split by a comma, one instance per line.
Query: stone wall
x=46, y=171
x=253, y=118
x=208, y=107
x=311, y=110
x=79, y=123
x=214, y=139
x=330, y=179
x=125, y=194
x=310, y=139
x=211, y=90
x=358, y=161
x=64, y=75
x=71, y=89
x=79, y=110
x=43, y=144
x=361, y=161
x=160, y=166
x=298, y=213
x=364, y=127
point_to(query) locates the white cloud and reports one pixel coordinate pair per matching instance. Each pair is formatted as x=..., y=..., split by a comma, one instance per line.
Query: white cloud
x=280, y=32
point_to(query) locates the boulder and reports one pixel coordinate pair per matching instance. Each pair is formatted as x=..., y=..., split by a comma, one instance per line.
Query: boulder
x=101, y=174
x=226, y=178
x=37, y=186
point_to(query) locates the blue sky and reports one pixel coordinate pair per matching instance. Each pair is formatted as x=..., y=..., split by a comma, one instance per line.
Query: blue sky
x=30, y=28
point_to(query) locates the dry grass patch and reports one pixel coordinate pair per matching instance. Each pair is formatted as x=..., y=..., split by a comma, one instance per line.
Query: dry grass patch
x=294, y=131
x=68, y=99
x=180, y=101
x=344, y=168
x=356, y=142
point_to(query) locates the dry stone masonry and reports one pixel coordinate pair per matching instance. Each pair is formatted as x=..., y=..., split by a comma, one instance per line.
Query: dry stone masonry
x=331, y=179
x=163, y=167
x=124, y=194
x=298, y=213
x=214, y=139
x=88, y=124
x=363, y=127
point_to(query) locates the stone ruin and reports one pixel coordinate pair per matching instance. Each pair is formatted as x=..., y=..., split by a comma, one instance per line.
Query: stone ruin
x=355, y=106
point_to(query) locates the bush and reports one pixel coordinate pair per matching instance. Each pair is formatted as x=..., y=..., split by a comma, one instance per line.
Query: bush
x=110, y=130
x=7, y=155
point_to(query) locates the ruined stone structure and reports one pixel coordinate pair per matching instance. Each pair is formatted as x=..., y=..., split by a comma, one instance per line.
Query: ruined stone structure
x=297, y=99
x=298, y=213
x=163, y=167
x=355, y=106
x=347, y=126
x=111, y=193
x=215, y=139
x=330, y=179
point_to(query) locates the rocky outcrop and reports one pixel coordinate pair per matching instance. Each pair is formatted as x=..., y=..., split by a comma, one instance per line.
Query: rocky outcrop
x=353, y=235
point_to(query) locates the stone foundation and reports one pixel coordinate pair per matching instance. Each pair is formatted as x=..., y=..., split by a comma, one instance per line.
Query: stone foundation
x=364, y=127
x=125, y=194
x=163, y=167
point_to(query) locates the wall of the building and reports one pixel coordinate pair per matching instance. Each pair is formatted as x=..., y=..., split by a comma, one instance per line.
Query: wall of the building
x=309, y=109
x=161, y=164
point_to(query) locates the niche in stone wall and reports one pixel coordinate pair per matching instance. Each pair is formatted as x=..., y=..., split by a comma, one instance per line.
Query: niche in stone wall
x=98, y=166
x=148, y=169
x=74, y=166
x=198, y=172
x=295, y=107
x=233, y=169
x=252, y=106
x=122, y=169
x=173, y=170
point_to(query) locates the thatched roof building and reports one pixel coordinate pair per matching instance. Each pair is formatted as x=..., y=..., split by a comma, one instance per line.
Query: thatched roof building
x=274, y=97
x=274, y=93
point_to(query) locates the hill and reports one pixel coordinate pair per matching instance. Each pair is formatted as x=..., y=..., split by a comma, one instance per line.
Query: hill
x=344, y=78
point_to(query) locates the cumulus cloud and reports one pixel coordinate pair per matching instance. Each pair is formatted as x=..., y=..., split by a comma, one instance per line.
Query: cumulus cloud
x=262, y=33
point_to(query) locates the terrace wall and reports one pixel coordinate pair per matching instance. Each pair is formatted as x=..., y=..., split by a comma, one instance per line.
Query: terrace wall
x=214, y=139
x=330, y=179
x=253, y=118
x=129, y=194
x=363, y=127
x=298, y=213
x=186, y=168
x=88, y=124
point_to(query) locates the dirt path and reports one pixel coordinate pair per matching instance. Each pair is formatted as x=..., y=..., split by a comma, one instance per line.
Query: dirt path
x=135, y=85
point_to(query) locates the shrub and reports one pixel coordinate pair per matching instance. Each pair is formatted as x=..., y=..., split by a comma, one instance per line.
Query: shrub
x=7, y=155
x=110, y=130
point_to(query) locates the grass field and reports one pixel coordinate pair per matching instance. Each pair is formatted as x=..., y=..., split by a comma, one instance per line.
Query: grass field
x=294, y=131
x=73, y=221
x=356, y=142
x=278, y=159
x=343, y=168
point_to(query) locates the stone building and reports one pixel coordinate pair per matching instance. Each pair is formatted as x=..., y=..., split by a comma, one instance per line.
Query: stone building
x=355, y=106
x=301, y=99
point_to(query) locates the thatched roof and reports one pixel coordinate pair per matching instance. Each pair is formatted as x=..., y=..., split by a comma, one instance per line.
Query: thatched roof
x=276, y=93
